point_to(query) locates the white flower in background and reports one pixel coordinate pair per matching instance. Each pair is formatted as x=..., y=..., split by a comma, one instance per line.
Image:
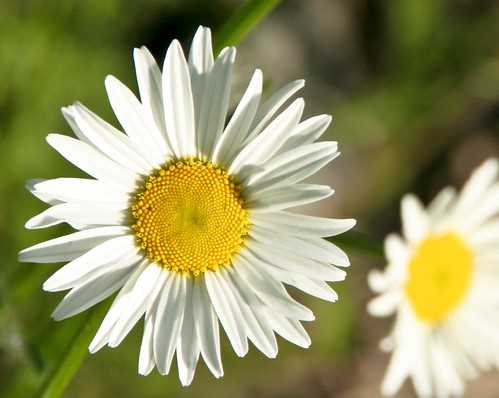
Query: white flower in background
x=442, y=282
x=186, y=216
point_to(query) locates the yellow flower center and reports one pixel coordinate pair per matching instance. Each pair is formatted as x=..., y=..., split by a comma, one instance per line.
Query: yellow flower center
x=189, y=217
x=439, y=276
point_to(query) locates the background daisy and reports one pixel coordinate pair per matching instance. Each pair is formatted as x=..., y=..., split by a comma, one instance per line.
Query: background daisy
x=441, y=282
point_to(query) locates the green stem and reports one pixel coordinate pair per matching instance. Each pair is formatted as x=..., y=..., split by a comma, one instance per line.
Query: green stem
x=71, y=360
x=242, y=21
x=231, y=33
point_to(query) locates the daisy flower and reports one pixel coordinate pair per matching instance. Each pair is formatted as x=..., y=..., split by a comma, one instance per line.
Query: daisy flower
x=441, y=281
x=186, y=215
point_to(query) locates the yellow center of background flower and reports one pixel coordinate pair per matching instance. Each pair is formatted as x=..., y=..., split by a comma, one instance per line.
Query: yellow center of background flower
x=189, y=217
x=439, y=276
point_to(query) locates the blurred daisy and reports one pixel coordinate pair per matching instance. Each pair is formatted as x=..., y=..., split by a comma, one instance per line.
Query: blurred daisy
x=186, y=216
x=441, y=280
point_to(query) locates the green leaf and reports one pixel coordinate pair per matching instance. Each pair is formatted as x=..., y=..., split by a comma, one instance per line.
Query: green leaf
x=242, y=21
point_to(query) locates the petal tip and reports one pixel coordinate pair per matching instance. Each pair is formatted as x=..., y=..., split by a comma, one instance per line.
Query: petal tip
x=57, y=316
x=31, y=223
x=110, y=81
x=66, y=110
x=47, y=286
x=300, y=83
x=175, y=45
x=92, y=347
x=31, y=184
x=52, y=138
x=299, y=102
x=22, y=256
x=186, y=380
x=351, y=222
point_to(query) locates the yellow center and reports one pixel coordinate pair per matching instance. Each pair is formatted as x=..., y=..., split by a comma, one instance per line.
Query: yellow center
x=189, y=217
x=439, y=276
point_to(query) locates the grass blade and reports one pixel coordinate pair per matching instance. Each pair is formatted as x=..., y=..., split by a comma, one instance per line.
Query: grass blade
x=242, y=21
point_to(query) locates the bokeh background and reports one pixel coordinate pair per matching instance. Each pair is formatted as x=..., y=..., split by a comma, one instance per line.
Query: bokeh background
x=413, y=86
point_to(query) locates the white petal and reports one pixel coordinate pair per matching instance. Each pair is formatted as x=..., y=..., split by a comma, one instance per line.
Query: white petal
x=396, y=250
x=440, y=205
x=295, y=264
x=385, y=304
x=144, y=291
x=215, y=102
x=227, y=311
x=79, y=216
x=149, y=81
x=77, y=190
x=266, y=144
x=289, y=329
x=319, y=289
x=294, y=166
x=421, y=376
x=395, y=272
x=120, y=302
x=487, y=209
x=397, y=371
x=207, y=329
x=300, y=224
x=178, y=103
x=69, y=247
x=146, y=357
x=387, y=344
x=110, y=141
x=236, y=132
x=309, y=248
x=487, y=234
x=200, y=64
x=90, y=293
x=188, y=345
x=201, y=52
x=170, y=315
x=314, y=287
x=281, y=198
x=307, y=132
x=251, y=307
x=120, y=251
x=377, y=281
x=448, y=382
x=272, y=105
x=92, y=162
x=44, y=197
x=477, y=184
x=414, y=219
x=335, y=255
x=67, y=112
x=271, y=291
x=145, y=135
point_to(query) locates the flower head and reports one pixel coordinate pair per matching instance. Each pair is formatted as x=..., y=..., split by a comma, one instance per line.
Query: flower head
x=440, y=283
x=186, y=215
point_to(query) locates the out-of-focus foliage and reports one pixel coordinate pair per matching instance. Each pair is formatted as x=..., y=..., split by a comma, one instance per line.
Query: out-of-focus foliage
x=414, y=90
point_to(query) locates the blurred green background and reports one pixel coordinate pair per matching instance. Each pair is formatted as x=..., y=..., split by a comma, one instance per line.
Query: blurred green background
x=413, y=86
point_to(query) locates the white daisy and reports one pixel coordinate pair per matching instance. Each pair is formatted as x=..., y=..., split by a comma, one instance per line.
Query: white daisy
x=441, y=281
x=186, y=215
